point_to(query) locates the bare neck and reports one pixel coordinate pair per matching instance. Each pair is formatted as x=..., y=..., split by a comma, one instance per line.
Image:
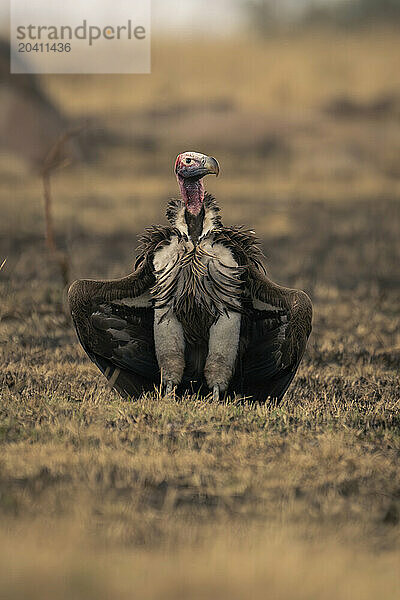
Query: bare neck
x=192, y=191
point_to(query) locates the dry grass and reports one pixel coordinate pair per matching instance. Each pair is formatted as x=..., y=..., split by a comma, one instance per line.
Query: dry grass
x=101, y=498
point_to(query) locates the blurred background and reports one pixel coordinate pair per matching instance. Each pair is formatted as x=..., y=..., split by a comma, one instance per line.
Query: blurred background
x=300, y=102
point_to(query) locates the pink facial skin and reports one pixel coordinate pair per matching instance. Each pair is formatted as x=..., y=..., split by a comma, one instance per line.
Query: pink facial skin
x=192, y=192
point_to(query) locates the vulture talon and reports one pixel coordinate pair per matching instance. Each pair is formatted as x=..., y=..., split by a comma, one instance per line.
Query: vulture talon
x=199, y=304
x=215, y=393
x=168, y=388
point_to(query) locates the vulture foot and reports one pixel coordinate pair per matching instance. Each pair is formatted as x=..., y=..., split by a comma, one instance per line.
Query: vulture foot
x=172, y=366
x=215, y=393
x=217, y=373
x=168, y=388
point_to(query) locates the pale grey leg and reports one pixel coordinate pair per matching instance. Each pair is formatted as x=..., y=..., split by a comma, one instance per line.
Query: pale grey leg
x=170, y=346
x=222, y=351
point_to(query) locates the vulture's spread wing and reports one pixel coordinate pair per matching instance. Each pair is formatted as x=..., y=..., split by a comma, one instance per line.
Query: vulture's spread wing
x=114, y=322
x=275, y=337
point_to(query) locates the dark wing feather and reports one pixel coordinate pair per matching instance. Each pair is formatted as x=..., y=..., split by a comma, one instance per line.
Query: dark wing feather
x=274, y=337
x=114, y=323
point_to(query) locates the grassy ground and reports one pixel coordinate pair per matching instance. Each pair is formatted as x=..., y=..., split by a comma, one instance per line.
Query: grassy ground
x=101, y=498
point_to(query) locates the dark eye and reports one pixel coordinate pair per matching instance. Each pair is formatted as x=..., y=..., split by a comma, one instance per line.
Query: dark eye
x=188, y=161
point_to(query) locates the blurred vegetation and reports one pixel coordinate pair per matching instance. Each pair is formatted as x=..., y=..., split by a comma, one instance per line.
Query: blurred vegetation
x=267, y=16
x=355, y=13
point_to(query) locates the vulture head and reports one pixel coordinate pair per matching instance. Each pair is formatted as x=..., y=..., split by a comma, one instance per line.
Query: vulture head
x=190, y=168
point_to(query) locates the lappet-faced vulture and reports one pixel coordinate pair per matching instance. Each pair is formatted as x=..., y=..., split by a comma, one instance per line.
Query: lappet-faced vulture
x=198, y=312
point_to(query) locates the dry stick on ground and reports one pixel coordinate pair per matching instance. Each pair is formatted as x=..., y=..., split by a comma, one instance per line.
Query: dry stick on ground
x=56, y=159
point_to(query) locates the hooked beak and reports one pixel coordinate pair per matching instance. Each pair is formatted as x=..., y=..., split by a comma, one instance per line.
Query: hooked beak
x=211, y=166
